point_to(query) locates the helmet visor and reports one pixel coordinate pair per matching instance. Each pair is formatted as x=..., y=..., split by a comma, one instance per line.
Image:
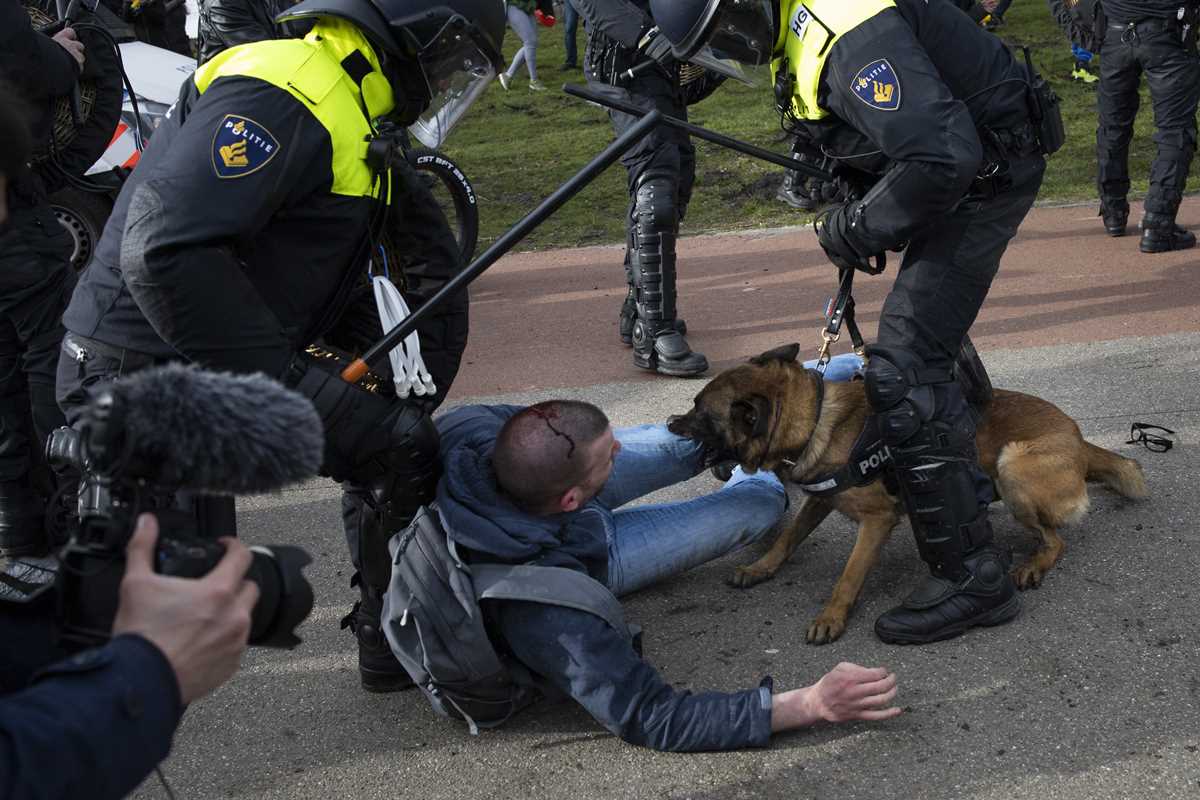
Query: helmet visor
x=457, y=75
x=706, y=57
x=743, y=31
x=457, y=65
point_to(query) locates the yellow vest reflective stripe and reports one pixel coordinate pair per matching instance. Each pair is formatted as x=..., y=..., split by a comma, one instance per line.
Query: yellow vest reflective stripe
x=310, y=70
x=808, y=31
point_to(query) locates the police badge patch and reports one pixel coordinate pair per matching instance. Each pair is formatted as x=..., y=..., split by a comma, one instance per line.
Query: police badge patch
x=241, y=146
x=876, y=85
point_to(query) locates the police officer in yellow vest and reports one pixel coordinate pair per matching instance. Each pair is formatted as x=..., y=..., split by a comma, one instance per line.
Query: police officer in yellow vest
x=245, y=231
x=948, y=107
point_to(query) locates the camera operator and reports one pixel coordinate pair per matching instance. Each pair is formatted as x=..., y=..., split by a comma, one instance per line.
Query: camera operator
x=96, y=724
x=242, y=236
x=35, y=274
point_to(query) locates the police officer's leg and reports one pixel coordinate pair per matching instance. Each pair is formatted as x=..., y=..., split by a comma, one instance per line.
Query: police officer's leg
x=1173, y=74
x=385, y=452
x=656, y=175
x=1117, y=100
x=20, y=507
x=635, y=162
x=929, y=428
x=34, y=287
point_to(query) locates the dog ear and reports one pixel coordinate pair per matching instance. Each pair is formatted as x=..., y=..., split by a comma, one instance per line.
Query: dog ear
x=787, y=353
x=752, y=414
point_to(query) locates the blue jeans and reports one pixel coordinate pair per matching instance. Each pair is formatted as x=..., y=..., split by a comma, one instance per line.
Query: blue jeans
x=651, y=542
x=570, y=25
x=840, y=368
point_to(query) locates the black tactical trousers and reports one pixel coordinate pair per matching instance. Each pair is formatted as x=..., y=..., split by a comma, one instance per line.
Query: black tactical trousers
x=1173, y=74
x=944, y=279
x=663, y=149
x=35, y=284
x=664, y=152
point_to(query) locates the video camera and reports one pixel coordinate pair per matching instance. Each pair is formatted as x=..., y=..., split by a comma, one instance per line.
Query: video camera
x=124, y=474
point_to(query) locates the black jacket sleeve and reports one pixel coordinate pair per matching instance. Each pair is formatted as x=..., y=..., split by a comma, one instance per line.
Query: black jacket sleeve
x=617, y=19
x=427, y=257
x=929, y=135
x=583, y=657
x=177, y=258
x=34, y=63
x=92, y=726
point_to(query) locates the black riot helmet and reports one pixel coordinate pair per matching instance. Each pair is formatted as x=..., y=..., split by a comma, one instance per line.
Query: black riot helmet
x=439, y=55
x=741, y=30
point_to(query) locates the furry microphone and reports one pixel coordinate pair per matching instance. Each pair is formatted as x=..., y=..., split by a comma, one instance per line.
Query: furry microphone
x=185, y=428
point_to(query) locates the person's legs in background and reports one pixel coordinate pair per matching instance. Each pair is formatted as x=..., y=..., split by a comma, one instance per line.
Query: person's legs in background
x=1117, y=100
x=1173, y=75
x=525, y=28
x=570, y=28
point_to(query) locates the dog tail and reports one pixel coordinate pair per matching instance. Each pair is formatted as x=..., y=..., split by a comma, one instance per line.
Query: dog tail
x=1122, y=475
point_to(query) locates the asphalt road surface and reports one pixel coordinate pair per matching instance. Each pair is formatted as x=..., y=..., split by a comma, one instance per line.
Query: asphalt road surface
x=1092, y=693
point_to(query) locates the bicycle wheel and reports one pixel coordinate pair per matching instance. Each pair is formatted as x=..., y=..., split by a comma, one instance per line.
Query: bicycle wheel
x=454, y=195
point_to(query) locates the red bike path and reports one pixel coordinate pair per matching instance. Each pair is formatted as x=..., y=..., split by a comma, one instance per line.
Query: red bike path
x=548, y=319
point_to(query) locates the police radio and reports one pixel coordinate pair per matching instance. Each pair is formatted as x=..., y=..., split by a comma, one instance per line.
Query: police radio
x=1046, y=110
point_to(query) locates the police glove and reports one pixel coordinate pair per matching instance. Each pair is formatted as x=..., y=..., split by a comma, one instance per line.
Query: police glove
x=834, y=232
x=656, y=47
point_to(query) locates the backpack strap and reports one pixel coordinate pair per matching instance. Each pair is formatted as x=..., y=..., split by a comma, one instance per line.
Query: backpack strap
x=551, y=586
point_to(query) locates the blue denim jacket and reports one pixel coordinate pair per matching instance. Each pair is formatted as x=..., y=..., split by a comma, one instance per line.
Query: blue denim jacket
x=575, y=651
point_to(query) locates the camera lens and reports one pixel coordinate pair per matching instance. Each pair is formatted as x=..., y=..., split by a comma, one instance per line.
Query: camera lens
x=285, y=597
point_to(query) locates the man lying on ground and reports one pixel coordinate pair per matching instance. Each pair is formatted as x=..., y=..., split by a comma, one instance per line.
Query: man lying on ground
x=545, y=485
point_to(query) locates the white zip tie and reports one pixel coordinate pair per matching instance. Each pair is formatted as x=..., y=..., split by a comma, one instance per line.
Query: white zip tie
x=408, y=368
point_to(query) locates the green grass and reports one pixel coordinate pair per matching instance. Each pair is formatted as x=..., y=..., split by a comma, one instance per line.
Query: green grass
x=518, y=146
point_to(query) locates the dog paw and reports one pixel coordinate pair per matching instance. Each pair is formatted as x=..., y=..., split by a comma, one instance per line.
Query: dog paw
x=750, y=575
x=826, y=628
x=1028, y=576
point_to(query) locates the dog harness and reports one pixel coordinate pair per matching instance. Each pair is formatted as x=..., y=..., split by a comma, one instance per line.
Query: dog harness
x=867, y=457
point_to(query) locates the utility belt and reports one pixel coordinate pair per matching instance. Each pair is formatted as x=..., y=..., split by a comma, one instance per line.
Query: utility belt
x=1183, y=26
x=1000, y=148
x=607, y=60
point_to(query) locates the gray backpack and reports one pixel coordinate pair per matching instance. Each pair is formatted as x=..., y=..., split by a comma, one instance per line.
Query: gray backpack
x=435, y=626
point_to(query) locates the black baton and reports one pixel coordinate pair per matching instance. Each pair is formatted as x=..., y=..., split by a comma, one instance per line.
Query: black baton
x=702, y=133
x=516, y=233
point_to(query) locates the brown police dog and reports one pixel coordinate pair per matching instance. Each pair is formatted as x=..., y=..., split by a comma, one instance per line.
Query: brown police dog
x=765, y=413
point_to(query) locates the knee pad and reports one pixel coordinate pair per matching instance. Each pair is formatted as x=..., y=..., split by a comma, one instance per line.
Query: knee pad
x=899, y=391
x=655, y=202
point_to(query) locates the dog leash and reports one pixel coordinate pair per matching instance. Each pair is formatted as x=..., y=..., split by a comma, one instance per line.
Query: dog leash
x=838, y=311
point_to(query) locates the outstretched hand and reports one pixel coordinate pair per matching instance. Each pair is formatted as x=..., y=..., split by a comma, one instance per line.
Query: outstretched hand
x=846, y=693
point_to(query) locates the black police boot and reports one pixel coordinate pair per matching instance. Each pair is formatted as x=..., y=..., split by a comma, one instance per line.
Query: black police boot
x=663, y=349
x=628, y=316
x=22, y=520
x=1160, y=234
x=1115, y=214
x=930, y=433
x=946, y=604
x=377, y=666
x=793, y=192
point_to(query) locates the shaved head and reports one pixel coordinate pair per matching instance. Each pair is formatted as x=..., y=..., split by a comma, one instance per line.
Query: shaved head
x=546, y=449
